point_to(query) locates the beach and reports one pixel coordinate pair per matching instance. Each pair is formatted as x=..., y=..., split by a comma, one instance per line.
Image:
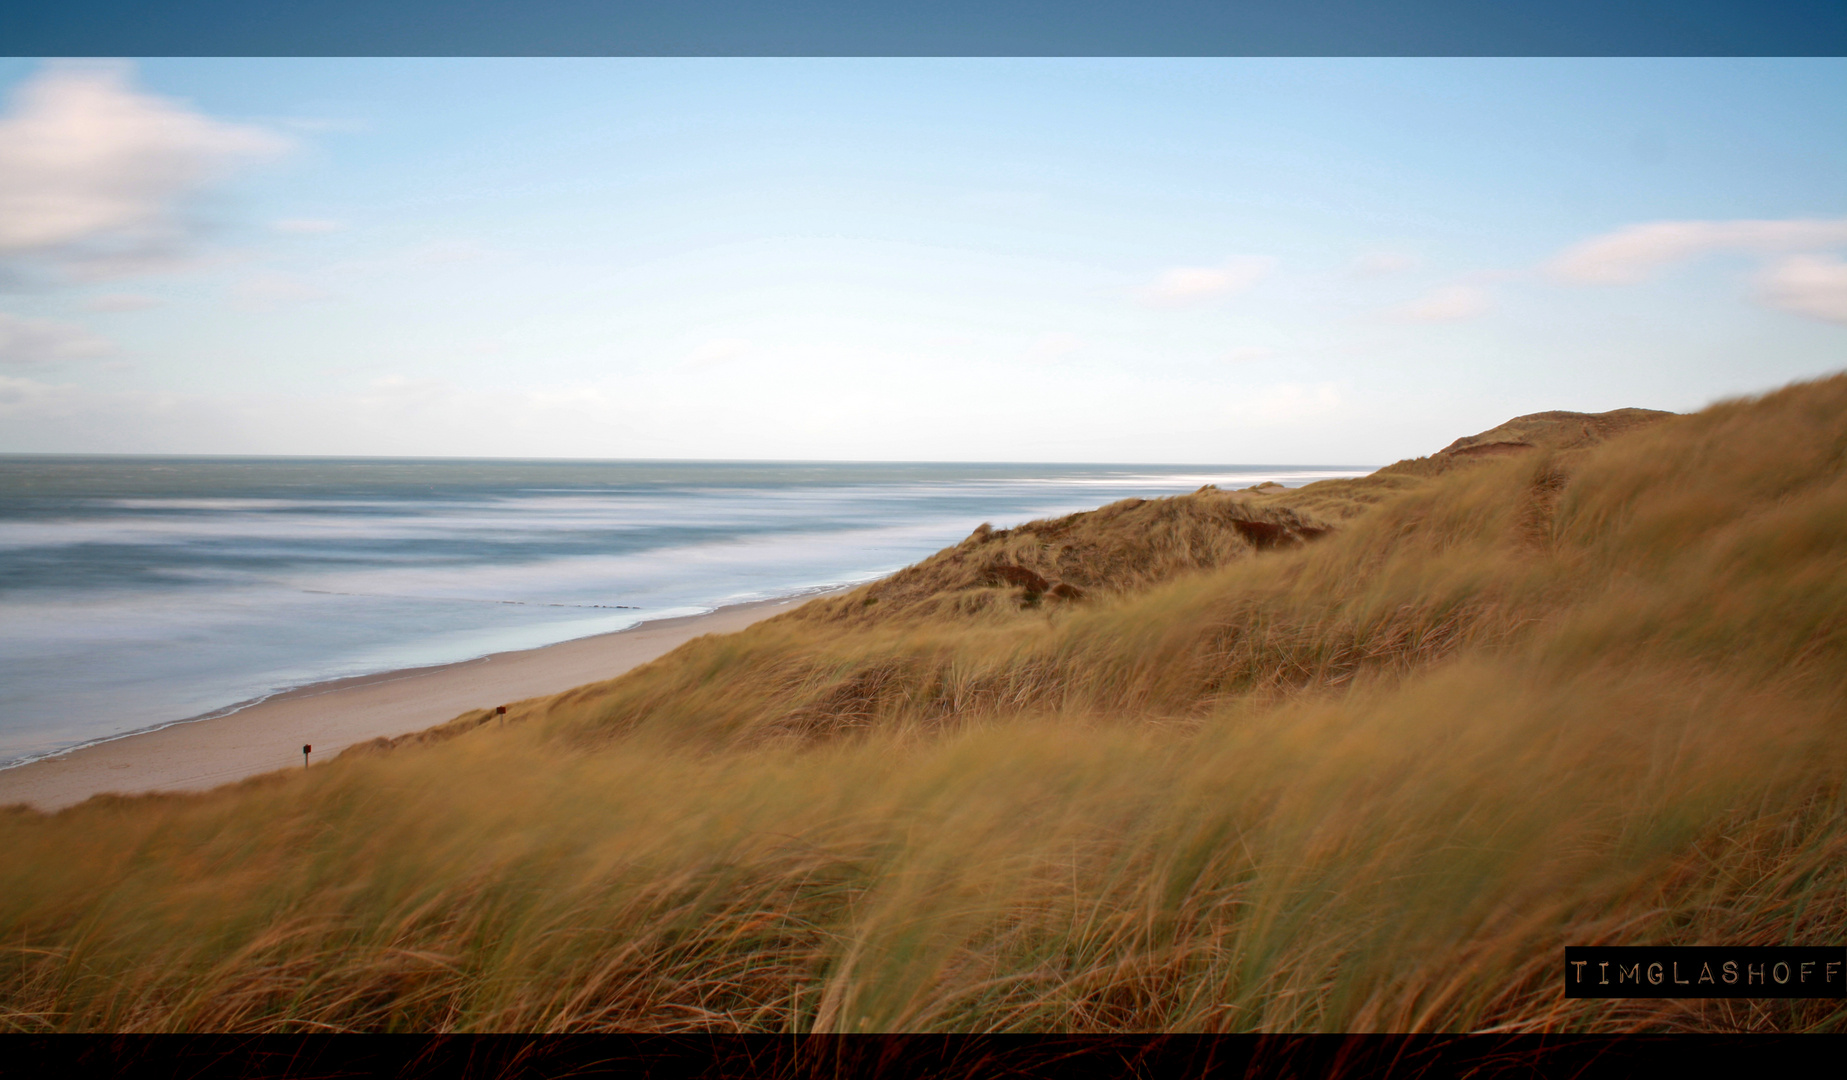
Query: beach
x=269, y=735
x=268, y=603
x=138, y=591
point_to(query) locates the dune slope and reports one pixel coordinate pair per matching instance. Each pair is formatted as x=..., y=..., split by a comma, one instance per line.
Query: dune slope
x=1369, y=768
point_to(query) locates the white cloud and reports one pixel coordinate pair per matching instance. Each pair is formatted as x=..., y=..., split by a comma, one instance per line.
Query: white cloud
x=579, y=398
x=26, y=342
x=402, y=391
x=1247, y=353
x=270, y=290
x=450, y=251
x=717, y=351
x=1287, y=403
x=22, y=395
x=1381, y=263
x=98, y=177
x=309, y=226
x=1186, y=285
x=319, y=124
x=1452, y=303
x=1055, y=346
x=1808, y=285
x=15, y=392
x=111, y=302
x=1630, y=255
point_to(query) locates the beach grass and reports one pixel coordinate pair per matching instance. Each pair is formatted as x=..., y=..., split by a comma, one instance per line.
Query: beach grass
x=1373, y=778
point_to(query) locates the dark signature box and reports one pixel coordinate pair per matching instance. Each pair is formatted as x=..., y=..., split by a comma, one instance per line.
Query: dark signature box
x=1705, y=971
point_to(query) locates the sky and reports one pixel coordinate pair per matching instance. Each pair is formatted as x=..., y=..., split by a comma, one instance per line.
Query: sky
x=1212, y=261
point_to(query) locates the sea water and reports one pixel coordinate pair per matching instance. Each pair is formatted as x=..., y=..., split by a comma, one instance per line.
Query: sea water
x=136, y=592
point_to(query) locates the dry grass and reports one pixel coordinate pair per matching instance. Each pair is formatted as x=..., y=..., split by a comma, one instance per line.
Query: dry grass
x=1373, y=782
x=1121, y=548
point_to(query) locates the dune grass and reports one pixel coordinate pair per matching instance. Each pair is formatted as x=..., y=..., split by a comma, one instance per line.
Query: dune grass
x=1372, y=782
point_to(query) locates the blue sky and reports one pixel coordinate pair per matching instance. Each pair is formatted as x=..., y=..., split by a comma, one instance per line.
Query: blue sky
x=1162, y=260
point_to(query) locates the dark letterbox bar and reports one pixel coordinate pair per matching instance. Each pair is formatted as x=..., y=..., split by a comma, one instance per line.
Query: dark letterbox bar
x=1705, y=971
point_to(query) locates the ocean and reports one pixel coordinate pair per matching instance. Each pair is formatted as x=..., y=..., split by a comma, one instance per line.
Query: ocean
x=137, y=592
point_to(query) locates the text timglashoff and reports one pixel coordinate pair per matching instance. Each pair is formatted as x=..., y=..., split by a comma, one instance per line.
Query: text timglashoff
x=1705, y=971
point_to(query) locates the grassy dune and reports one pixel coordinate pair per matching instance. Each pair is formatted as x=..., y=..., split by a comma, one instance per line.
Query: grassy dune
x=1369, y=768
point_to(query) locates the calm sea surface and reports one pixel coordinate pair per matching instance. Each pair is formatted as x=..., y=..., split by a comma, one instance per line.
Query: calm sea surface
x=136, y=592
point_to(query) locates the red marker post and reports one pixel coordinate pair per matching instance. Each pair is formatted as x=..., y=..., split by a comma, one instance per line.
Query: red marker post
x=305, y=751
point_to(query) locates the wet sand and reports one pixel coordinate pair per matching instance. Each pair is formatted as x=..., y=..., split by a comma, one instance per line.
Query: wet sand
x=331, y=716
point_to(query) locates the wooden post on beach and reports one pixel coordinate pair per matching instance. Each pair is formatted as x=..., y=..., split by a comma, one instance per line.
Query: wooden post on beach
x=305, y=751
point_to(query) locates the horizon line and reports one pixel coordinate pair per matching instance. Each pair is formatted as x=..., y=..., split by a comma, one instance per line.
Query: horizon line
x=151, y=455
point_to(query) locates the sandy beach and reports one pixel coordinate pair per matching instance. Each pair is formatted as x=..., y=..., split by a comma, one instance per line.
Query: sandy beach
x=331, y=716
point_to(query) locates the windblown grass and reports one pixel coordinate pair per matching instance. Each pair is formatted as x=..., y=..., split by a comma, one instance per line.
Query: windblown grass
x=1372, y=782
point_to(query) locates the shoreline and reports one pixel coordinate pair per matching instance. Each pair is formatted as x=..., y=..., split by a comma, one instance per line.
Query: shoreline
x=201, y=753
